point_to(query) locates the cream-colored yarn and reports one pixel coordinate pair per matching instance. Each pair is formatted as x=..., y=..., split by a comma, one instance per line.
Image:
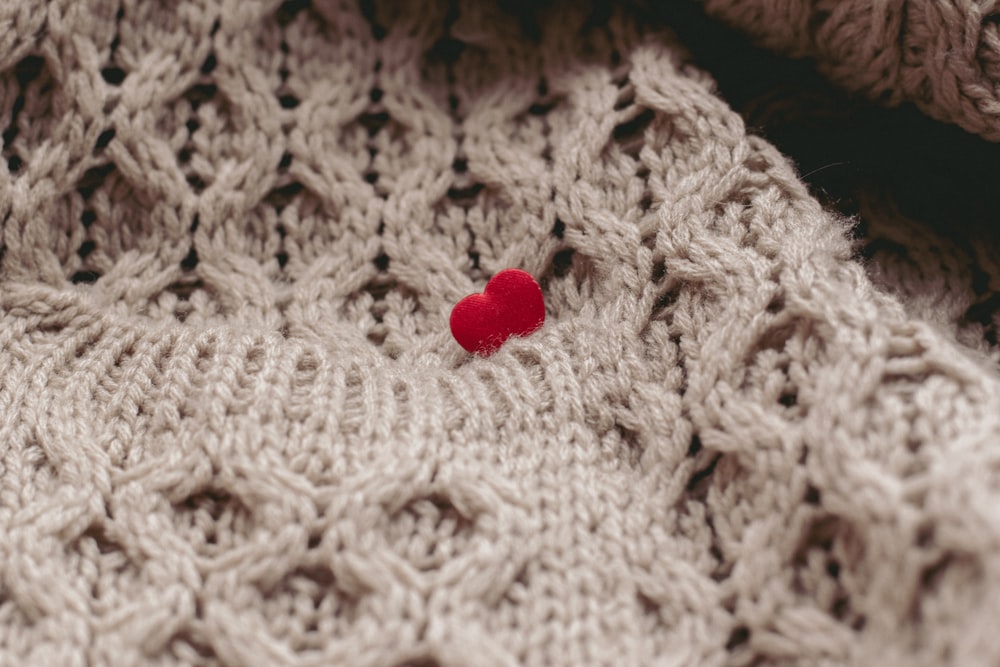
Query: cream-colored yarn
x=236, y=431
x=942, y=56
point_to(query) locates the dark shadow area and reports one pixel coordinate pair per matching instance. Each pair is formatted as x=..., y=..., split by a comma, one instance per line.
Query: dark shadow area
x=843, y=144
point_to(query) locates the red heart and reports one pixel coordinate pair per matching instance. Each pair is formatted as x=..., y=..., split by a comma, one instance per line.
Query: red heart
x=511, y=305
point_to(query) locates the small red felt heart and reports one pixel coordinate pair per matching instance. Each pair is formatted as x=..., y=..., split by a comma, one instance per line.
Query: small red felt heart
x=511, y=305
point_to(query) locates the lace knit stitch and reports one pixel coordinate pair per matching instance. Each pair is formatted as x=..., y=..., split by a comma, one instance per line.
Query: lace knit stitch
x=236, y=431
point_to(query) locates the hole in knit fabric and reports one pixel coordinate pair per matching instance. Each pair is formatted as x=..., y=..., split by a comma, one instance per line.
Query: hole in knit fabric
x=104, y=139
x=649, y=607
x=789, y=398
x=183, y=289
x=738, y=637
x=282, y=196
x=209, y=65
x=85, y=249
x=374, y=121
x=629, y=133
x=932, y=575
x=562, y=262
x=190, y=261
x=465, y=195
x=28, y=69
x=288, y=101
x=92, y=179
x=200, y=93
x=113, y=75
x=659, y=271
x=813, y=496
x=559, y=229
x=85, y=277
x=699, y=482
x=626, y=94
x=196, y=182
x=664, y=305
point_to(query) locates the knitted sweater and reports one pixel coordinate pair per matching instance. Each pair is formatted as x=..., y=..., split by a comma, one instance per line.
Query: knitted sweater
x=235, y=429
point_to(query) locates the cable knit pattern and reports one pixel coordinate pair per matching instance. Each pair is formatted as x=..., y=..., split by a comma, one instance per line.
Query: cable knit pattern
x=236, y=431
x=943, y=56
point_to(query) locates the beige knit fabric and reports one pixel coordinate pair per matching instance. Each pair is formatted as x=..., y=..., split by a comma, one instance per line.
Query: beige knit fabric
x=236, y=431
x=943, y=55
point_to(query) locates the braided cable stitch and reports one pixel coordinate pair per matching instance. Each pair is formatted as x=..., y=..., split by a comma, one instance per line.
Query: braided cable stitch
x=944, y=56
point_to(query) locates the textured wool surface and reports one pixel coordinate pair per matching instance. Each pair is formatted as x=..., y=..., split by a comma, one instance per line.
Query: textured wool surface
x=236, y=430
x=920, y=192
x=943, y=56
